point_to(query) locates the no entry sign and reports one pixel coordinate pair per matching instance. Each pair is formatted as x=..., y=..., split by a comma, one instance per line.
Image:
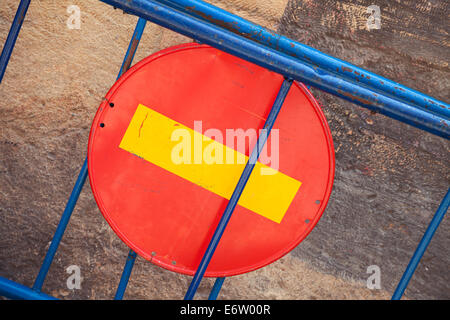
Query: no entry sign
x=170, y=141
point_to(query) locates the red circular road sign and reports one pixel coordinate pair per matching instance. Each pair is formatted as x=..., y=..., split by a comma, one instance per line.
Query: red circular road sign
x=170, y=141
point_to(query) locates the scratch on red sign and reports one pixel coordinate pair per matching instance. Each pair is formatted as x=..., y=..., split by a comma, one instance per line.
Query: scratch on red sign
x=142, y=124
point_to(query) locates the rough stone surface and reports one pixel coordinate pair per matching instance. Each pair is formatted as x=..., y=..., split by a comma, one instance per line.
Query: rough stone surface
x=390, y=178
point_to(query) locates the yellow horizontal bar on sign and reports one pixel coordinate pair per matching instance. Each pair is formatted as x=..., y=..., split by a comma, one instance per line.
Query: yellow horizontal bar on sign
x=160, y=140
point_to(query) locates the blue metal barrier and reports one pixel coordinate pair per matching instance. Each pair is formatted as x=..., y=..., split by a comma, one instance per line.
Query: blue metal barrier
x=306, y=54
x=290, y=67
x=14, y=290
x=218, y=28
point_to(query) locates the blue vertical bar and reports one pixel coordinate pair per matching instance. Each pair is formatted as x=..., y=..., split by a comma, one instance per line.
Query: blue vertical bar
x=125, y=275
x=132, y=48
x=239, y=189
x=37, y=286
x=216, y=288
x=434, y=224
x=12, y=36
x=82, y=176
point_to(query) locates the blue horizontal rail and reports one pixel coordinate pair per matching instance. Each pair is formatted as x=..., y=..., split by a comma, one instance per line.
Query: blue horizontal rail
x=307, y=54
x=17, y=291
x=286, y=65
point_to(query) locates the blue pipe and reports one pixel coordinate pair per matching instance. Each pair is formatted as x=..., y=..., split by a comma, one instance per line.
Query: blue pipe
x=240, y=26
x=132, y=47
x=14, y=290
x=284, y=64
x=434, y=224
x=81, y=177
x=61, y=228
x=12, y=36
x=125, y=275
x=126, y=64
x=216, y=289
x=238, y=190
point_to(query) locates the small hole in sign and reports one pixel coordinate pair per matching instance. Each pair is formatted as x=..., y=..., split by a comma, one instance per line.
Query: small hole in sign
x=102, y=125
x=317, y=201
x=307, y=221
x=111, y=105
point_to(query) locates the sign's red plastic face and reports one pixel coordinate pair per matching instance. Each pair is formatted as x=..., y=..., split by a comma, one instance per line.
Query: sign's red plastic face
x=170, y=141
